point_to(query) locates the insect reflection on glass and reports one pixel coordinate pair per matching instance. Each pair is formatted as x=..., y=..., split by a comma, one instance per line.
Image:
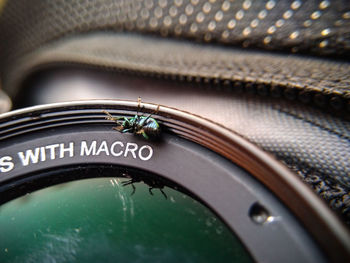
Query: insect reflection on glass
x=146, y=126
x=152, y=182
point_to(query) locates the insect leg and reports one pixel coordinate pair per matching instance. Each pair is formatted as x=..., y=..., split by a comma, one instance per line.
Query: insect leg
x=127, y=182
x=157, y=110
x=122, y=121
x=130, y=182
x=120, y=128
x=149, y=116
x=133, y=189
x=142, y=132
x=145, y=135
x=115, y=119
x=163, y=193
x=150, y=190
x=138, y=105
x=124, y=131
x=109, y=116
x=123, y=118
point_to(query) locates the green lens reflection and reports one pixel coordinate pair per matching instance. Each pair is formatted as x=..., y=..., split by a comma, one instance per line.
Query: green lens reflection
x=99, y=220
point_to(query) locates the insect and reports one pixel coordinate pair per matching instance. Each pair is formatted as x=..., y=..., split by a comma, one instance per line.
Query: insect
x=146, y=126
x=153, y=183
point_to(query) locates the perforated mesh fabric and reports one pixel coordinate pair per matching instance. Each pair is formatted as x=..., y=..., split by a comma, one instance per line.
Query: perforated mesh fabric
x=320, y=82
x=319, y=27
x=313, y=27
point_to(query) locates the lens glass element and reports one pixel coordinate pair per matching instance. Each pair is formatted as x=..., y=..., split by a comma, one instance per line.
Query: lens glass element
x=113, y=220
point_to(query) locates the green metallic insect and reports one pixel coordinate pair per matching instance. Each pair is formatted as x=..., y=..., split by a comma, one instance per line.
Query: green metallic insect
x=146, y=126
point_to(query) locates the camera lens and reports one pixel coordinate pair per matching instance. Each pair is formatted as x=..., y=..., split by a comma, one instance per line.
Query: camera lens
x=73, y=188
x=249, y=132
x=114, y=218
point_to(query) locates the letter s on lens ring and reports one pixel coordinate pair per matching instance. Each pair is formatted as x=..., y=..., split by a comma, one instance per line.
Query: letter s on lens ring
x=275, y=216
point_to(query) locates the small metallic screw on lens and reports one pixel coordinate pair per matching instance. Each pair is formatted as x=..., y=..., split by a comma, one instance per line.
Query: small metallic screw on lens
x=259, y=215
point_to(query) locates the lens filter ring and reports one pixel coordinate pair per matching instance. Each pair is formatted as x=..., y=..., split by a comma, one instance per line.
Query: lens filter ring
x=235, y=178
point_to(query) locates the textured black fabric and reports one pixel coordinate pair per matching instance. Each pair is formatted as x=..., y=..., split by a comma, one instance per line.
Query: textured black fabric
x=320, y=82
x=335, y=194
x=318, y=27
x=312, y=27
